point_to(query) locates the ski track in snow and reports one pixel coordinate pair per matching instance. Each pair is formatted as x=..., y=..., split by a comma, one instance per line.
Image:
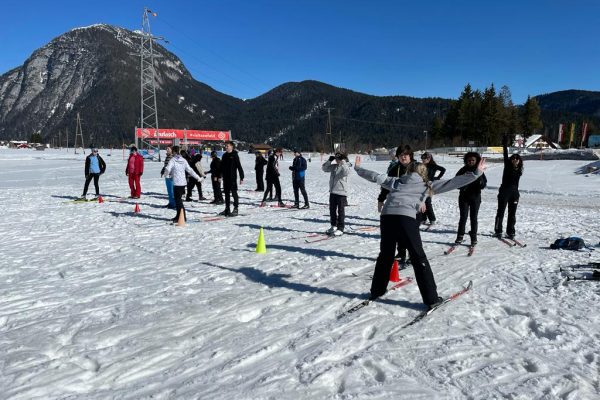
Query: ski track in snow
x=98, y=302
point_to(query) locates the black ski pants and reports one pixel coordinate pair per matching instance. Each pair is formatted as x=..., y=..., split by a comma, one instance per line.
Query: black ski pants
x=270, y=183
x=428, y=214
x=469, y=208
x=88, y=179
x=400, y=229
x=299, y=187
x=216, y=186
x=179, y=191
x=192, y=182
x=260, y=183
x=337, y=211
x=230, y=188
x=507, y=197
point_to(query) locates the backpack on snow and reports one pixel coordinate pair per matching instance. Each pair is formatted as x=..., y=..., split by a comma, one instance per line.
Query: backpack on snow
x=570, y=243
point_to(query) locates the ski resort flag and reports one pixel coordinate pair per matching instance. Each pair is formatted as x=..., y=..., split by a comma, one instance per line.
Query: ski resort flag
x=560, y=133
x=572, y=134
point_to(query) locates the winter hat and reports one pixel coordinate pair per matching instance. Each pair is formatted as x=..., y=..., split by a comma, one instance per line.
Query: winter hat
x=132, y=149
x=213, y=153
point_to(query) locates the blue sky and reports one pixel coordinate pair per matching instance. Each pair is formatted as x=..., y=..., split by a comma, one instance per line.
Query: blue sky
x=419, y=48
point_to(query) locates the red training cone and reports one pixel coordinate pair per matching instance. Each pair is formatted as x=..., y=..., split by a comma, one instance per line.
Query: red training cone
x=394, y=274
x=137, y=208
x=100, y=199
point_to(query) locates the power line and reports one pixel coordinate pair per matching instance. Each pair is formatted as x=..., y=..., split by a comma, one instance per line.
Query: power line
x=182, y=33
x=380, y=123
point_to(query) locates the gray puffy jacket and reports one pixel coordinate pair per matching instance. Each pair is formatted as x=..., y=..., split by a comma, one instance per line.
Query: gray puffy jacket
x=409, y=191
x=338, y=178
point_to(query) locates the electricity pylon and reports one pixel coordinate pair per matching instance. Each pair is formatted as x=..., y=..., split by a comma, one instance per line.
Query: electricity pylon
x=148, y=108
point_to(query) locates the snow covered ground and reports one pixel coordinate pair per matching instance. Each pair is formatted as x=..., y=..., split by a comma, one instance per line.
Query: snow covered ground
x=98, y=302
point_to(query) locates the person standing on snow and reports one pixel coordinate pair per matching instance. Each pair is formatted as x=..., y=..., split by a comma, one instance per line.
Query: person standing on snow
x=298, y=169
x=230, y=166
x=273, y=177
x=398, y=223
x=432, y=168
x=195, y=163
x=259, y=168
x=216, y=176
x=177, y=168
x=338, y=195
x=399, y=166
x=469, y=198
x=134, y=170
x=94, y=167
x=168, y=179
x=508, y=194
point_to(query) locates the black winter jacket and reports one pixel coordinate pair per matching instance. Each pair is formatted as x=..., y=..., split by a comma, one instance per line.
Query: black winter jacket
x=260, y=163
x=432, y=169
x=395, y=171
x=510, y=175
x=473, y=189
x=197, y=157
x=272, y=171
x=215, y=168
x=230, y=166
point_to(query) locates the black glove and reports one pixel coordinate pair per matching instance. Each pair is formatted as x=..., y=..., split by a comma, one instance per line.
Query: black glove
x=331, y=158
x=291, y=168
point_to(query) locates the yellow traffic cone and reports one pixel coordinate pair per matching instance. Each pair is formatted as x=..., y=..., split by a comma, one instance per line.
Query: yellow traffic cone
x=261, y=247
x=181, y=220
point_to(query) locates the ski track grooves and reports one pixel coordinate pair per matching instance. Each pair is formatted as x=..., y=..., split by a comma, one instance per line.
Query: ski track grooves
x=98, y=302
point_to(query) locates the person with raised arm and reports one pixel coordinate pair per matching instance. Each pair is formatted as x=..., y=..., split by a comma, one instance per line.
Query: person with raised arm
x=399, y=225
x=508, y=194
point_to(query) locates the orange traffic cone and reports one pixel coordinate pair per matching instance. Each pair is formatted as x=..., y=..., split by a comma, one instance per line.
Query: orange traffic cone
x=137, y=208
x=394, y=274
x=181, y=220
x=100, y=199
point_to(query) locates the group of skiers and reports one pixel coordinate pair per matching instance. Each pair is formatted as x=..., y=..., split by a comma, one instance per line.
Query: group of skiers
x=404, y=200
x=182, y=171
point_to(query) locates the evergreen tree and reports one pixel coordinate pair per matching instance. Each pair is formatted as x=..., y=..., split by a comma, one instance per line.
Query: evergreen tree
x=491, y=111
x=531, y=117
x=36, y=138
x=450, y=124
x=437, y=131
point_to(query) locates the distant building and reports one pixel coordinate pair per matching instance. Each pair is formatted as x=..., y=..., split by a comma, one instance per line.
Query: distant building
x=263, y=148
x=535, y=142
x=18, y=144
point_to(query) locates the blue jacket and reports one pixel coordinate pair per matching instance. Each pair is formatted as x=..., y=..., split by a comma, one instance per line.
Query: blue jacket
x=88, y=162
x=298, y=168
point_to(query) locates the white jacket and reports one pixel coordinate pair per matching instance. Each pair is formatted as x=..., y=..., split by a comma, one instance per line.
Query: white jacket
x=177, y=168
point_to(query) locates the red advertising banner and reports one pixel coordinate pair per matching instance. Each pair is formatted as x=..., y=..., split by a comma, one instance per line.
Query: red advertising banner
x=190, y=134
x=170, y=142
